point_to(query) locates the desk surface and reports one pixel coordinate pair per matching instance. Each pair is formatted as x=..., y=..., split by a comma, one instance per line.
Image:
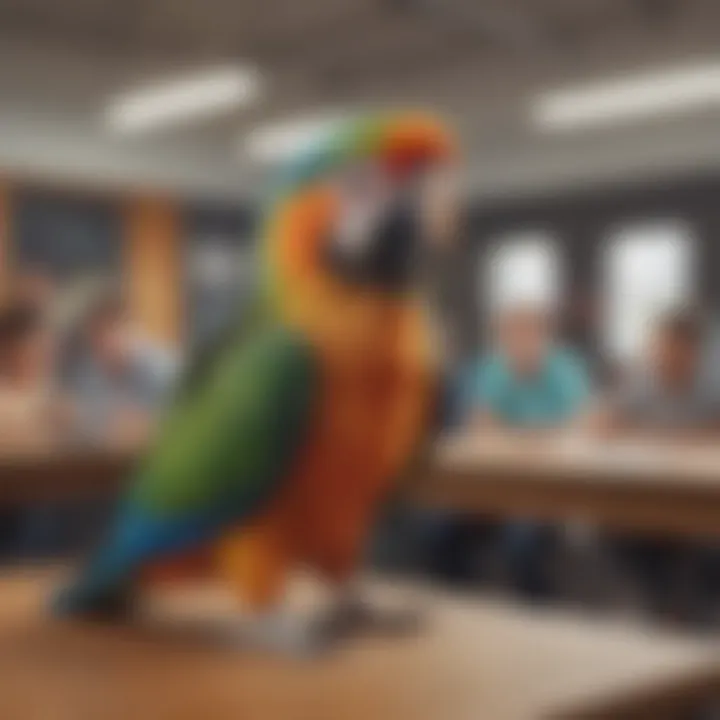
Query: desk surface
x=477, y=660
x=658, y=488
x=630, y=462
x=661, y=488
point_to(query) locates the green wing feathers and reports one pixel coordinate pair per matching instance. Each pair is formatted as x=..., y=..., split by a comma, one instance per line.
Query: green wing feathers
x=233, y=438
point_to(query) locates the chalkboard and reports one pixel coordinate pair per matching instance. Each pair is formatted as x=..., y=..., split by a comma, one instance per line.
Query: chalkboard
x=66, y=237
x=220, y=268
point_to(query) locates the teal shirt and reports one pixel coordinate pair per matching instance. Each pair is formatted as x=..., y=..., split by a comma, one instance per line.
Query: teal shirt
x=550, y=397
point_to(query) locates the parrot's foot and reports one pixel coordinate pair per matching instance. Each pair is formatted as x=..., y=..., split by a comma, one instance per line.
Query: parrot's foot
x=284, y=634
x=356, y=617
x=306, y=637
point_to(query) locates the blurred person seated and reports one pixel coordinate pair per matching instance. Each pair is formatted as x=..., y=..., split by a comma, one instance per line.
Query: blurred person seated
x=34, y=288
x=671, y=396
x=118, y=382
x=529, y=384
x=120, y=379
x=671, y=392
x=31, y=413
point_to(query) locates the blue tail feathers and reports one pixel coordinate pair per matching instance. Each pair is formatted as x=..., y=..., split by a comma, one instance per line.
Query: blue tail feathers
x=138, y=538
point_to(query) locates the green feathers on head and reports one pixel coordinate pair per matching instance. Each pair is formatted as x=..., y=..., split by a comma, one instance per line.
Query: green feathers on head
x=350, y=140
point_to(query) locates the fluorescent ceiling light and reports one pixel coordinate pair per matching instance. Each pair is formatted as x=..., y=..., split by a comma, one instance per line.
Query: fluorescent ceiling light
x=279, y=141
x=628, y=98
x=174, y=101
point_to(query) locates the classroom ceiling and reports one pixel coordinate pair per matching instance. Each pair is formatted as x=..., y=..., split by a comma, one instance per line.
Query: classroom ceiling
x=478, y=60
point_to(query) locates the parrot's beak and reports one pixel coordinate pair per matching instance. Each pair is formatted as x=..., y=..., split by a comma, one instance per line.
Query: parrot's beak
x=395, y=250
x=379, y=252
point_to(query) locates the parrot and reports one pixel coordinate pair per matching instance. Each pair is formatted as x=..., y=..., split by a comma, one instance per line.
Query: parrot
x=287, y=438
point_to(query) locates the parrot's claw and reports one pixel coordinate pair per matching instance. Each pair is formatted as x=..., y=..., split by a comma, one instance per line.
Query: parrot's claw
x=308, y=637
x=359, y=617
x=285, y=635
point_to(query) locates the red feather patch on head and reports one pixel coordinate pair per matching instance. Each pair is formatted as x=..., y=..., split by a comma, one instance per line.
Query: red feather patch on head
x=413, y=142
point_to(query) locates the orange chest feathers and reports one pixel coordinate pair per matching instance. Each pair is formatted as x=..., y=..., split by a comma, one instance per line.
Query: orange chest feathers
x=371, y=420
x=373, y=413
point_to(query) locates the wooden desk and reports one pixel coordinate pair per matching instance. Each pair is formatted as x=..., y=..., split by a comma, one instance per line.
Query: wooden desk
x=473, y=661
x=663, y=488
x=57, y=474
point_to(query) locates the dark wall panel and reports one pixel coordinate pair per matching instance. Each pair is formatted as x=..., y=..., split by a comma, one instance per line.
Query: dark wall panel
x=66, y=236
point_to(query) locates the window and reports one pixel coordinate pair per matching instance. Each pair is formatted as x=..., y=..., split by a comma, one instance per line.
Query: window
x=648, y=269
x=521, y=269
x=68, y=238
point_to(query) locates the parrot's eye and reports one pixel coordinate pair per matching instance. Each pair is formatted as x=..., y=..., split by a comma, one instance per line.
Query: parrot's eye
x=356, y=227
x=364, y=196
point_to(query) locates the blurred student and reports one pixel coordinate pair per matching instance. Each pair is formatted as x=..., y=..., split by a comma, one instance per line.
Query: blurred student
x=35, y=288
x=31, y=413
x=118, y=382
x=120, y=379
x=671, y=396
x=30, y=410
x=670, y=392
x=530, y=383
